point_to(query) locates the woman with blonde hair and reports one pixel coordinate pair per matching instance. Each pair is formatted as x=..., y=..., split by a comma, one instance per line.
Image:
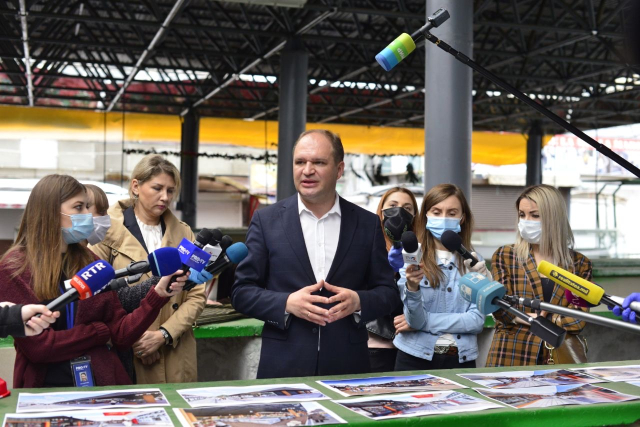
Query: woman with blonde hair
x=397, y=203
x=49, y=249
x=445, y=325
x=544, y=234
x=166, y=353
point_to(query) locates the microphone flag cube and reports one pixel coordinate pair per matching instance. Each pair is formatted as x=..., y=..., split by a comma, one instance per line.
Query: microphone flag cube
x=397, y=50
x=192, y=256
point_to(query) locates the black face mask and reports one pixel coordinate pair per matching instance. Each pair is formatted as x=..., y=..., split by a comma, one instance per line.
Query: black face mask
x=396, y=221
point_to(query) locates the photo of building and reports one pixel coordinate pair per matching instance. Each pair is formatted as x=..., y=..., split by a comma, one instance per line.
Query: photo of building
x=155, y=417
x=273, y=414
x=388, y=385
x=542, y=397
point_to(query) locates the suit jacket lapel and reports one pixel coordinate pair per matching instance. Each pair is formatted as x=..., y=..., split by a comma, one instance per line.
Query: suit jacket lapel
x=348, y=224
x=293, y=231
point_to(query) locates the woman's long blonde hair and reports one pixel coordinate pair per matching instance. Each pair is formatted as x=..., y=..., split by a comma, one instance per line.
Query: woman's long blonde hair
x=384, y=198
x=436, y=195
x=39, y=240
x=557, y=239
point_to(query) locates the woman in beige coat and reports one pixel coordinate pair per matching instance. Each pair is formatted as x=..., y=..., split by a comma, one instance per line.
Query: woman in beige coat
x=166, y=353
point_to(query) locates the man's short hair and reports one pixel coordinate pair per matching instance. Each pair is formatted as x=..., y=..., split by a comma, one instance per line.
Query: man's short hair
x=334, y=139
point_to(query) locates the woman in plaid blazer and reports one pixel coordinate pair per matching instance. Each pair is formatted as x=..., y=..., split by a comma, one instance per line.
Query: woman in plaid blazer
x=544, y=234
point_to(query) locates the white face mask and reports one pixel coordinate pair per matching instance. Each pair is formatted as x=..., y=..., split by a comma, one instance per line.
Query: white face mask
x=101, y=225
x=531, y=231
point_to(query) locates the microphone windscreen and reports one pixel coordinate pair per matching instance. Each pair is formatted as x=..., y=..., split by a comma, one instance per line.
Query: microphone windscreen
x=409, y=242
x=481, y=291
x=394, y=227
x=237, y=252
x=586, y=290
x=451, y=240
x=225, y=242
x=204, y=236
x=92, y=278
x=397, y=50
x=164, y=261
x=216, y=236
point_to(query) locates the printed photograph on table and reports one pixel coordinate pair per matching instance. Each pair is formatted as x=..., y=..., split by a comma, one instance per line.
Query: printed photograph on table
x=544, y=397
x=416, y=405
x=526, y=379
x=387, y=385
x=273, y=414
x=137, y=417
x=65, y=401
x=268, y=393
x=613, y=373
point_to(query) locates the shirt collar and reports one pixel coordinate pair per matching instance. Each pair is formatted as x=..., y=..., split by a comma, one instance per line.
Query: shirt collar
x=335, y=209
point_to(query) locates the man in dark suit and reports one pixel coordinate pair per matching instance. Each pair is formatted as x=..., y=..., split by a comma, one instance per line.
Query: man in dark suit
x=317, y=271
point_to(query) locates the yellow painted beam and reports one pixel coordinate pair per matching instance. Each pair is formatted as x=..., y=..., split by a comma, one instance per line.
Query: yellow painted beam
x=77, y=125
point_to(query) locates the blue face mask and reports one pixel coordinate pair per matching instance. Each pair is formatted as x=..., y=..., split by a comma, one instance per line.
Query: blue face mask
x=438, y=225
x=81, y=228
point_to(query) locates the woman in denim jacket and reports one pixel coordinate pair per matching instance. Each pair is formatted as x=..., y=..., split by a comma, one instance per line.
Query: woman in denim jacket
x=446, y=326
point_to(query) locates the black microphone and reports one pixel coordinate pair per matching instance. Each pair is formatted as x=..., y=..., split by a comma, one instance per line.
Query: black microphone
x=137, y=267
x=120, y=282
x=225, y=243
x=411, y=249
x=453, y=242
x=233, y=255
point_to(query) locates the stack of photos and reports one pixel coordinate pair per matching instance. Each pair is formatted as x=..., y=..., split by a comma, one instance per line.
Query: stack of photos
x=217, y=396
x=273, y=414
x=560, y=395
x=527, y=379
x=414, y=405
x=613, y=373
x=137, y=417
x=78, y=400
x=387, y=385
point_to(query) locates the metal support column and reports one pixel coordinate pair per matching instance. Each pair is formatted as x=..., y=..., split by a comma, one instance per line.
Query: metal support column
x=292, y=120
x=447, y=105
x=534, y=154
x=189, y=167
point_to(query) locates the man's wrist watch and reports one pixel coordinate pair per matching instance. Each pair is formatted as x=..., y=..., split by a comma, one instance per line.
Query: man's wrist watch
x=168, y=340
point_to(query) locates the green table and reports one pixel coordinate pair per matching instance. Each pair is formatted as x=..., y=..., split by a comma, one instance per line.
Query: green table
x=574, y=415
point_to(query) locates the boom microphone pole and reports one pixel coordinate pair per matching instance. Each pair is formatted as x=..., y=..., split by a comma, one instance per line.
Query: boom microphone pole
x=404, y=45
x=536, y=304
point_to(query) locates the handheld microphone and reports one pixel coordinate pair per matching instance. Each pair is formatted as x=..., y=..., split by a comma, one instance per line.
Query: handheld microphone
x=85, y=283
x=411, y=249
x=489, y=296
x=213, y=247
x=233, y=255
x=159, y=256
x=192, y=255
x=120, y=282
x=394, y=227
x=402, y=46
x=453, y=242
x=582, y=288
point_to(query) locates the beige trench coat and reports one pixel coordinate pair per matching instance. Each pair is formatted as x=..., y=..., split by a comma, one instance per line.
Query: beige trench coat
x=177, y=362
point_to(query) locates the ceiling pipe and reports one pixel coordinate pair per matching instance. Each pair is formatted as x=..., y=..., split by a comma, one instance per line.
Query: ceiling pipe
x=147, y=52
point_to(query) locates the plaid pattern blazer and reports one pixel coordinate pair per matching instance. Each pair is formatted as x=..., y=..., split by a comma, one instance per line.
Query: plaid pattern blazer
x=513, y=344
